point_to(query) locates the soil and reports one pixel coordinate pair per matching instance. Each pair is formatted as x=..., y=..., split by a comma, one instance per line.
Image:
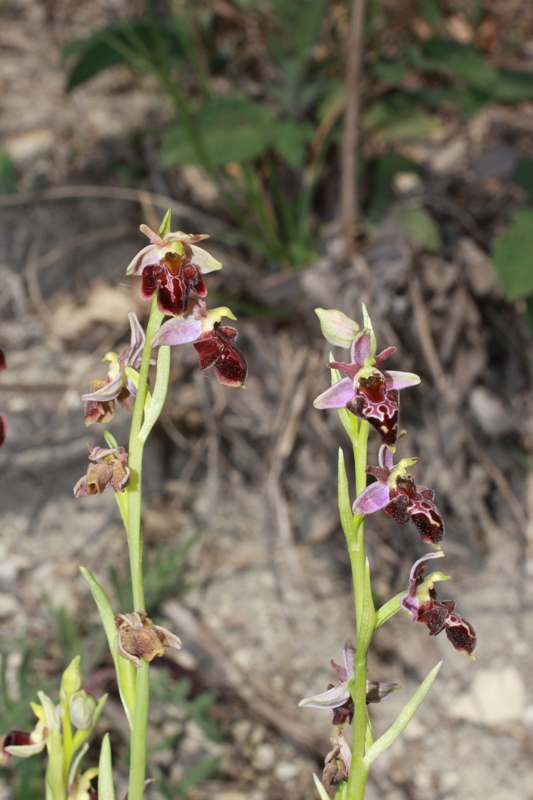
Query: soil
x=269, y=601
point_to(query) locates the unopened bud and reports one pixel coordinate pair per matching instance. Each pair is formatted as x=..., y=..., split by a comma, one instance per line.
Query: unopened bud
x=72, y=679
x=82, y=708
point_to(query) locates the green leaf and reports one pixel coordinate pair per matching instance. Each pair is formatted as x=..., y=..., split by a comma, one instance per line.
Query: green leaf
x=403, y=718
x=454, y=59
x=8, y=173
x=230, y=129
x=105, y=772
x=160, y=392
x=419, y=227
x=166, y=223
x=388, y=609
x=107, y=47
x=512, y=86
x=401, y=118
x=320, y=788
x=198, y=773
x=523, y=175
x=124, y=669
x=345, y=507
x=512, y=255
x=290, y=140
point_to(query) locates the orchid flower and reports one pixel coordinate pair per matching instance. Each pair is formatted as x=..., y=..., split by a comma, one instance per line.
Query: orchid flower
x=213, y=342
x=174, y=266
x=422, y=603
x=138, y=637
x=339, y=697
x=367, y=392
x=397, y=494
x=337, y=763
x=27, y=743
x=110, y=467
x=100, y=401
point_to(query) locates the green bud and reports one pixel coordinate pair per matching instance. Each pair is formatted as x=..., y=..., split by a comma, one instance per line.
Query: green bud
x=337, y=328
x=82, y=710
x=72, y=679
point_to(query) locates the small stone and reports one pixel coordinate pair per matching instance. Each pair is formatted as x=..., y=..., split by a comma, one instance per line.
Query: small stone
x=9, y=605
x=451, y=158
x=491, y=414
x=286, y=771
x=497, y=696
x=264, y=758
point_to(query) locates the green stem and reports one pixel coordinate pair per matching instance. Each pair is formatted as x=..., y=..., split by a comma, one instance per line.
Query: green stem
x=135, y=459
x=134, y=531
x=138, y=736
x=363, y=608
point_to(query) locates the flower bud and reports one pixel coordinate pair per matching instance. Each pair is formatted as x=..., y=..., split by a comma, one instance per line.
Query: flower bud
x=336, y=327
x=82, y=709
x=72, y=679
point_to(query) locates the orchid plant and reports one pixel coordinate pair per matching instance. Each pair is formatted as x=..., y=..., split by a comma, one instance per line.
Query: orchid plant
x=171, y=267
x=369, y=397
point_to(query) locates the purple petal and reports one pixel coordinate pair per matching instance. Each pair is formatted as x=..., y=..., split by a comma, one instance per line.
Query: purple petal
x=146, y=257
x=386, y=458
x=108, y=392
x=361, y=347
x=336, y=396
x=435, y=554
x=333, y=698
x=179, y=330
x=410, y=605
x=376, y=691
x=371, y=499
x=134, y=354
x=348, y=653
x=152, y=235
x=400, y=380
x=381, y=357
x=204, y=261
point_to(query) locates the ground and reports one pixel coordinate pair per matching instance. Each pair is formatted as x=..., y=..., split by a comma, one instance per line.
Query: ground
x=254, y=470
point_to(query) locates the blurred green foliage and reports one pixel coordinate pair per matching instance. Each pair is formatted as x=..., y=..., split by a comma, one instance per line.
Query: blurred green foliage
x=267, y=135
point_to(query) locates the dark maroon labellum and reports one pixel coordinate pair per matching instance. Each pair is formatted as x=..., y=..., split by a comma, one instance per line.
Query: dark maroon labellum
x=218, y=348
x=416, y=503
x=174, y=282
x=2, y=360
x=379, y=407
x=2, y=430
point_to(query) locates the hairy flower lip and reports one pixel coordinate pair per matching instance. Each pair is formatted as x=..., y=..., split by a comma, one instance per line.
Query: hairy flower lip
x=110, y=467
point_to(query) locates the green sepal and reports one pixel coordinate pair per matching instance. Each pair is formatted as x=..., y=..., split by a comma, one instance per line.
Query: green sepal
x=403, y=718
x=367, y=324
x=75, y=764
x=166, y=222
x=154, y=408
x=55, y=783
x=105, y=771
x=124, y=669
x=320, y=788
x=345, y=508
x=388, y=609
x=81, y=736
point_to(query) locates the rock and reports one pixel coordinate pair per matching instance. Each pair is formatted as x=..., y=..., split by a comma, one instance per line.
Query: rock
x=29, y=145
x=9, y=605
x=491, y=414
x=264, y=758
x=496, y=162
x=479, y=269
x=451, y=158
x=496, y=696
